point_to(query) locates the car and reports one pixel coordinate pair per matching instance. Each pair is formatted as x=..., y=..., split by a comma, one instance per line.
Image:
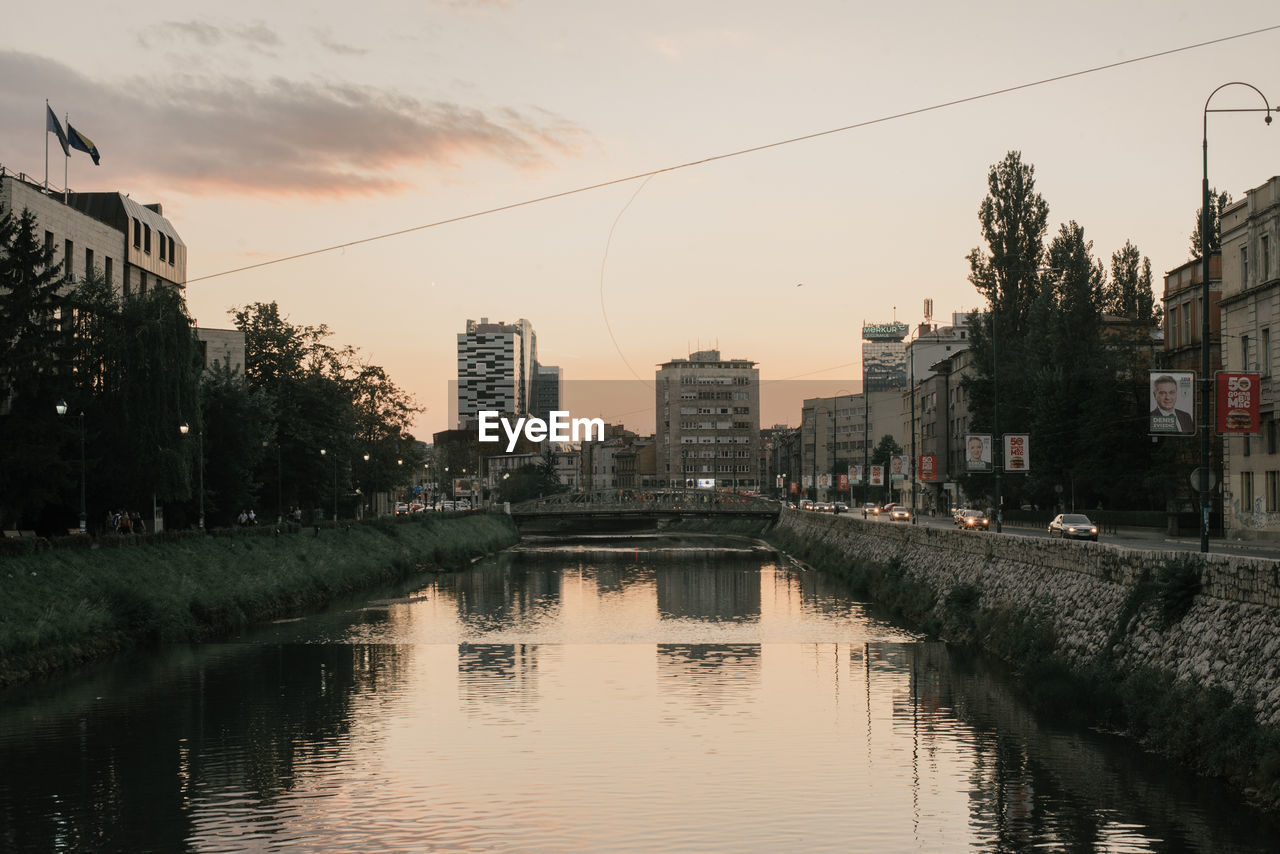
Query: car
x=1073, y=526
x=870, y=509
x=402, y=509
x=841, y=507
x=886, y=509
x=900, y=514
x=972, y=520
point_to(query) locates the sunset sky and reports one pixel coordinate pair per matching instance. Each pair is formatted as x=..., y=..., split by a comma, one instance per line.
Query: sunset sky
x=268, y=130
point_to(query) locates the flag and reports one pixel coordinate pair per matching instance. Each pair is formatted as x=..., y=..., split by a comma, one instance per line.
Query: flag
x=52, y=124
x=82, y=142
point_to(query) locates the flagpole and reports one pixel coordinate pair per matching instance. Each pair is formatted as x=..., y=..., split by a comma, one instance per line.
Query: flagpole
x=67, y=121
x=46, y=145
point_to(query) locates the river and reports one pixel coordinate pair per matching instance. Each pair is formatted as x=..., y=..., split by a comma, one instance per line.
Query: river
x=676, y=693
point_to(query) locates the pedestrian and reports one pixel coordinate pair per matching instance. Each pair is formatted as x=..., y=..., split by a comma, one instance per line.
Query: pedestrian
x=253, y=517
x=139, y=527
x=242, y=519
x=126, y=525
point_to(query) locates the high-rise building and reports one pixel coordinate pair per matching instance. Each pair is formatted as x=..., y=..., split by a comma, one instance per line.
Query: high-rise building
x=495, y=368
x=547, y=381
x=708, y=422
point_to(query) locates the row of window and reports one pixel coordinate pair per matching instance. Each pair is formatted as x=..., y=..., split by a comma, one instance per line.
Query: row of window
x=142, y=240
x=1252, y=503
x=107, y=269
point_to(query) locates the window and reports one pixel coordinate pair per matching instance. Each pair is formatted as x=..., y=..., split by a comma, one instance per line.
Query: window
x=48, y=240
x=162, y=245
x=137, y=234
x=1266, y=259
x=106, y=268
x=1248, y=445
x=1246, y=491
x=146, y=238
x=1244, y=265
x=1244, y=352
x=170, y=251
x=1271, y=436
x=1265, y=355
x=68, y=253
x=1273, y=491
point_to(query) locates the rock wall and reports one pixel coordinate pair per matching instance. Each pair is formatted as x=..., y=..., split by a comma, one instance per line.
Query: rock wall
x=1228, y=635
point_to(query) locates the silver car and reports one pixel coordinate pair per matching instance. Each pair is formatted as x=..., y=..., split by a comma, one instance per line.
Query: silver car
x=1073, y=526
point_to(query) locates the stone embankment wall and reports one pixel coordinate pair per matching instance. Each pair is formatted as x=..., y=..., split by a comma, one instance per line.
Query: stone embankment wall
x=1227, y=634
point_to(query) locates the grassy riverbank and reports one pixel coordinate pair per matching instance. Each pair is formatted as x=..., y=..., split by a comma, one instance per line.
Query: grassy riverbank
x=1201, y=727
x=62, y=607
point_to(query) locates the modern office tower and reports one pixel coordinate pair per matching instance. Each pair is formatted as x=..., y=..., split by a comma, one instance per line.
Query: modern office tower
x=495, y=368
x=708, y=423
x=546, y=398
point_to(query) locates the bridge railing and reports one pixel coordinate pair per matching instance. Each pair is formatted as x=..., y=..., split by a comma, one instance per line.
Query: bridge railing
x=655, y=500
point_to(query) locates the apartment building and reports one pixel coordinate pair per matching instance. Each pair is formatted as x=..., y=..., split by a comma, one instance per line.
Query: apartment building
x=708, y=422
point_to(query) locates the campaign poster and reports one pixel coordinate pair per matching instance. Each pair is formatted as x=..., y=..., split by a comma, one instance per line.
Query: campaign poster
x=977, y=453
x=795, y=487
x=1239, y=397
x=1173, y=403
x=897, y=467
x=842, y=482
x=877, y=475
x=855, y=474
x=1017, y=452
x=928, y=467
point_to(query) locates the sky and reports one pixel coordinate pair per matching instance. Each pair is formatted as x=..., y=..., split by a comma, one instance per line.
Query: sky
x=271, y=130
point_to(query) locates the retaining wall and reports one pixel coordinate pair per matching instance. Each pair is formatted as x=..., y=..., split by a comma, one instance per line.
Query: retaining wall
x=1228, y=637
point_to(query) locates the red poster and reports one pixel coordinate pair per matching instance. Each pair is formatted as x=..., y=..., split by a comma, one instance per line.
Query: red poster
x=1239, y=403
x=794, y=487
x=928, y=467
x=842, y=481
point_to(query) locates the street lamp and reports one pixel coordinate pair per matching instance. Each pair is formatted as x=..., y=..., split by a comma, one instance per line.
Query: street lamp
x=1206, y=383
x=184, y=429
x=323, y=453
x=61, y=407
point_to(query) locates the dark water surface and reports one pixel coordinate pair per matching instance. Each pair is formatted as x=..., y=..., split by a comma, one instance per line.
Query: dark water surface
x=628, y=695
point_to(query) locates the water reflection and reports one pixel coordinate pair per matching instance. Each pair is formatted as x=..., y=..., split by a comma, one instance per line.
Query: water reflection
x=600, y=698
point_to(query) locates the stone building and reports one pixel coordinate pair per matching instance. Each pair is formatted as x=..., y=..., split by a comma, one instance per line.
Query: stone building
x=708, y=422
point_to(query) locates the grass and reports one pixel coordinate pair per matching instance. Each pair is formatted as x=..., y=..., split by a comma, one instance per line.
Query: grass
x=65, y=606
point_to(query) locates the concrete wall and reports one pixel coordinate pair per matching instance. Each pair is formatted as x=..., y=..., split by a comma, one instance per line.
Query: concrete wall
x=1230, y=637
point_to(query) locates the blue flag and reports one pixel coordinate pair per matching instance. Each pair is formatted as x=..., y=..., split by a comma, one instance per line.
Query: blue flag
x=53, y=125
x=82, y=142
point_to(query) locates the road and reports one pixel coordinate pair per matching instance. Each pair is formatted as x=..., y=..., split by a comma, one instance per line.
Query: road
x=1132, y=538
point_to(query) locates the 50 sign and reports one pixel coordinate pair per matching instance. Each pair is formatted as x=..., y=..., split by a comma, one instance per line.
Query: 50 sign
x=1239, y=399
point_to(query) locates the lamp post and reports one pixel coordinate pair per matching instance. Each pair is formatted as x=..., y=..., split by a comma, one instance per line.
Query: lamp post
x=324, y=453
x=61, y=408
x=184, y=429
x=1206, y=383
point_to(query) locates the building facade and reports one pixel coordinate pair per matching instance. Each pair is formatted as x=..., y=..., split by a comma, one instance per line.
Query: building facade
x=708, y=422
x=495, y=368
x=547, y=391
x=1250, y=314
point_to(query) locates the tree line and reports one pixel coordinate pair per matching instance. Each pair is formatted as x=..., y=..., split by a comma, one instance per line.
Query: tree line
x=131, y=372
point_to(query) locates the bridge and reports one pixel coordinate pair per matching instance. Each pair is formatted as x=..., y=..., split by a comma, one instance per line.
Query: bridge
x=659, y=505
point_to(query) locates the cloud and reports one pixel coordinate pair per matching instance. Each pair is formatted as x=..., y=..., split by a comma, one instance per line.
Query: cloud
x=256, y=35
x=326, y=41
x=281, y=136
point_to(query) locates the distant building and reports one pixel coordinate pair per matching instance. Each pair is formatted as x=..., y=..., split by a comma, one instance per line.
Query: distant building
x=495, y=368
x=1250, y=312
x=708, y=422
x=547, y=386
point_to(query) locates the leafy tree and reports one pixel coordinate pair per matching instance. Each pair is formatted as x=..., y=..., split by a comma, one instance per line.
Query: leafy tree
x=1217, y=203
x=237, y=423
x=885, y=449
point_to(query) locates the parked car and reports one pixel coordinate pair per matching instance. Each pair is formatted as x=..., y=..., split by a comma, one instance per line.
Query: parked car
x=900, y=514
x=1073, y=526
x=972, y=520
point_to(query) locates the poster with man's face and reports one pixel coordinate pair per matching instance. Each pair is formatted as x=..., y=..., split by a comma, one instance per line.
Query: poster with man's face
x=977, y=452
x=1173, y=403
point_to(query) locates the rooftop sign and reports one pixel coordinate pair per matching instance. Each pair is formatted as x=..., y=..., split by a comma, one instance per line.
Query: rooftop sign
x=885, y=332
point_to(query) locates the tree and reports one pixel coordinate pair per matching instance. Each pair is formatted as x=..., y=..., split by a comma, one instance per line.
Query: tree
x=1129, y=292
x=1217, y=203
x=885, y=449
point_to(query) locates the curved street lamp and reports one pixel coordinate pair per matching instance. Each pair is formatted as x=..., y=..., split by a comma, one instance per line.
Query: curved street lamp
x=1206, y=382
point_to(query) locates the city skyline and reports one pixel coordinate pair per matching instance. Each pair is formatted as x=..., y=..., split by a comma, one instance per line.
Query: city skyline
x=264, y=136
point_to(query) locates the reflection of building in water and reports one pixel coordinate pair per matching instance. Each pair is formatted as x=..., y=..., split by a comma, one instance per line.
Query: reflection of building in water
x=709, y=676
x=490, y=598
x=701, y=592
x=497, y=676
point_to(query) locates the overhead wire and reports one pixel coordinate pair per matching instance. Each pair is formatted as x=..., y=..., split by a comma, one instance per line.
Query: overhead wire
x=738, y=153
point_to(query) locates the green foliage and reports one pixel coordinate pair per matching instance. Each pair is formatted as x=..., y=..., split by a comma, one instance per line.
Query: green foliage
x=887, y=447
x=1218, y=201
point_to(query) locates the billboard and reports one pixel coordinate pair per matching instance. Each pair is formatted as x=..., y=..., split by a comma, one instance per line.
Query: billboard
x=877, y=475
x=1173, y=403
x=897, y=467
x=927, y=466
x=1017, y=452
x=1239, y=396
x=855, y=474
x=842, y=482
x=977, y=452
x=895, y=331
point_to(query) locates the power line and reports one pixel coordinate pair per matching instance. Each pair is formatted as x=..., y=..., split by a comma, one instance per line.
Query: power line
x=738, y=153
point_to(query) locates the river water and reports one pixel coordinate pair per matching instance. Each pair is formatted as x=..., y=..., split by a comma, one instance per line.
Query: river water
x=641, y=694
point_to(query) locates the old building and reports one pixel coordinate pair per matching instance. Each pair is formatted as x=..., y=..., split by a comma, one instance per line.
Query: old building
x=708, y=422
x=1250, y=310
